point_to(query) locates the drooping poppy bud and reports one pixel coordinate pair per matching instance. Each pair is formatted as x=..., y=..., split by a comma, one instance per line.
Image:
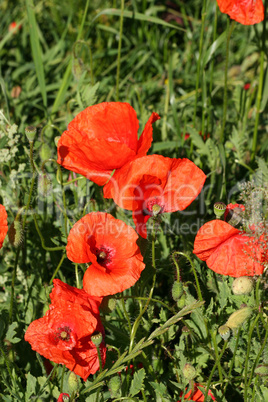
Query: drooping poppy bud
x=177, y=290
x=189, y=371
x=238, y=317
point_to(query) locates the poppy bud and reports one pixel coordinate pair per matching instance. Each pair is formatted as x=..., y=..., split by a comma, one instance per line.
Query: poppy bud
x=181, y=302
x=30, y=132
x=224, y=332
x=177, y=290
x=108, y=304
x=242, y=285
x=262, y=370
x=56, y=140
x=73, y=383
x=44, y=152
x=15, y=233
x=234, y=216
x=219, y=209
x=114, y=386
x=189, y=371
x=96, y=338
x=238, y=317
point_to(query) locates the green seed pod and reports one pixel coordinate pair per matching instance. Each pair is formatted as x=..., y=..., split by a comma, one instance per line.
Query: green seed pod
x=15, y=233
x=73, y=383
x=189, y=371
x=181, y=302
x=238, y=317
x=156, y=209
x=224, y=332
x=114, y=386
x=44, y=152
x=235, y=216
x=262, y=370
x=219, y=209
x=56, y=140
x=96, y=338
x=177, y=290
x=30, y=132
x=242, y=285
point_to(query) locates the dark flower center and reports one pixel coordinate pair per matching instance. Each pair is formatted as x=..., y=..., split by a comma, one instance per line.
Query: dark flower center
x=103, y=256
x=65, y=338
x=153, y=207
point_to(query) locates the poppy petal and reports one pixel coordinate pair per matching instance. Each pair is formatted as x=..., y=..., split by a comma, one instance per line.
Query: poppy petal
x=246, y=12
x=146, y=138
x=184, y=183
x=3, y=224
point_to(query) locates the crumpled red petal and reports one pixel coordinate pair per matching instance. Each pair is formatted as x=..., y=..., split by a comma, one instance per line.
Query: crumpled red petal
x=146, y=138
x=246, y=12
x=3, y=224
x=229, y=251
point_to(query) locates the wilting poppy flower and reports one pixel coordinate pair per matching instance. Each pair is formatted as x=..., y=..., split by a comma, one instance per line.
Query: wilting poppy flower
x=102, y=138
x=247, y=12
x=63, y=397
x=63, y=335
x=197, y=395
x=3, y=224
x=228, y=250
x=110, y=245
x=154, y=184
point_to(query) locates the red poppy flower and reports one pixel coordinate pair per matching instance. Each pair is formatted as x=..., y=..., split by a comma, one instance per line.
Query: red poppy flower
x=110, y=245
x=102, y=138
x=63, y=335
x=154, y=184
x=197, y=395
x=63, y=397
x=246, y=87
x=3, y=224
x=230, y=251
x=247, y=12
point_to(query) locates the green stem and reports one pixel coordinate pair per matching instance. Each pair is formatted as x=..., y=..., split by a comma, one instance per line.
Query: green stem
x=126, y=315
x=229, y=33
x=77, y=276
x=62, y=378
x=260, y=88
x=13, y=285
x=214, y=368
x=99, y=357
x=146, y=298
x=233, y=358
x=119, y=49
x=57, y=269
x=194, y=272
x=42, y=239
x=138, y=319
x=209, y=121
x=247, y=355
x=63, y=199
x=199, y=58
x=214, y=341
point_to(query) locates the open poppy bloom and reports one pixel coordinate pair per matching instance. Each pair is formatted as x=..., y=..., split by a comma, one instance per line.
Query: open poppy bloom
x=230, y=251
x=3, y=224
x=110, y=245
x=197, y=395
x=102, y=138
x=247, y=12
x=63, y=335
x=154, y=184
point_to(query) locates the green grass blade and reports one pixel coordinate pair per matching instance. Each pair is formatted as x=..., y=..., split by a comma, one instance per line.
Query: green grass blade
x=36, y=50
x=137, y=16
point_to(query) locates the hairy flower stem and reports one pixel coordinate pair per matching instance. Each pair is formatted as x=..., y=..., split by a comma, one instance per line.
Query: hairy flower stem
x=194, y=272
x=209, y=119
x=233, y=358
x=229, y=33
x=99, y=357
x=119, y=49
x=13, y=285
x=42, y=239
x=260, y=87
x=57, y=269
x=247, y=355
x=138, y=319
x=214, y=368
x=62, y=378
x=199, y=58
